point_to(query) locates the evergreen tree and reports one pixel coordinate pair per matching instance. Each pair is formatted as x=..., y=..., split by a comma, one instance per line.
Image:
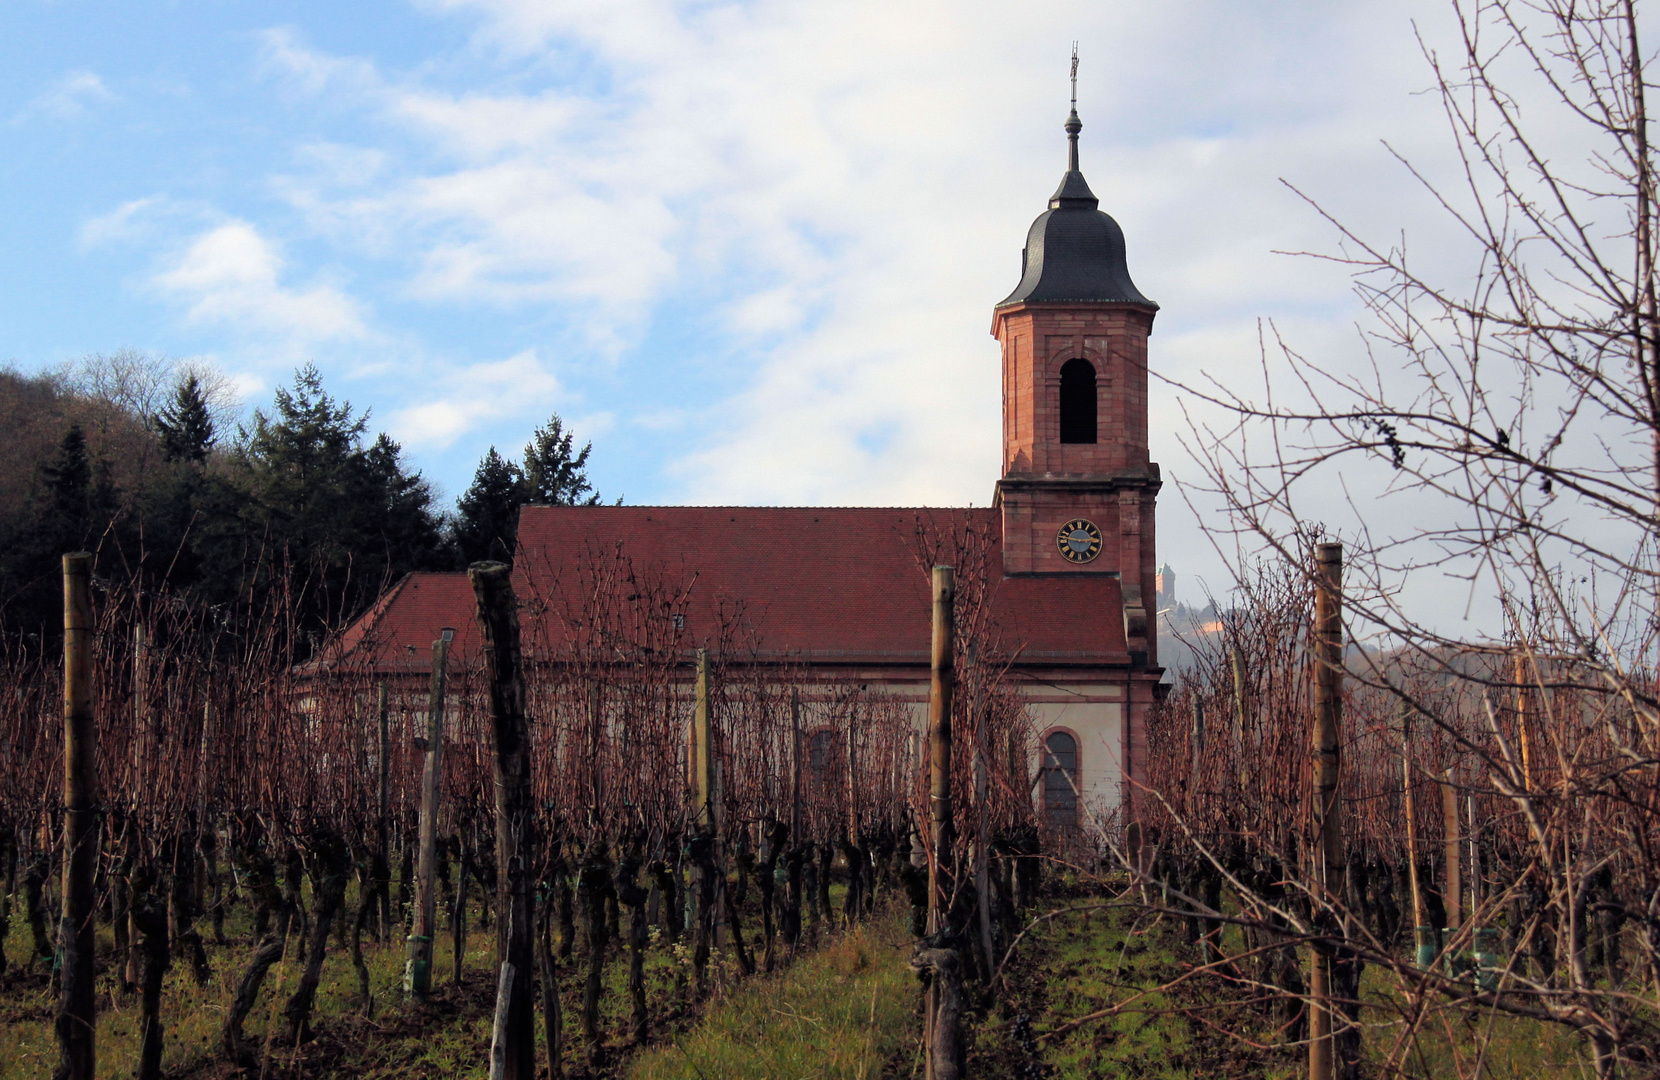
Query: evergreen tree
x=351, y=517
x=553, y=474
x=486, y=524
x=410, y=533
x=185, y=424
x=83, y=497
x=68, y=477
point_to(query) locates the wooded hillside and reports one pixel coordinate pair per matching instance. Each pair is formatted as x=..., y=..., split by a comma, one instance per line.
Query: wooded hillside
x=148, y=465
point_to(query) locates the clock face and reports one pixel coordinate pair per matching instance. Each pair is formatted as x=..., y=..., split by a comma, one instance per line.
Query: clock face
x=1079, y=540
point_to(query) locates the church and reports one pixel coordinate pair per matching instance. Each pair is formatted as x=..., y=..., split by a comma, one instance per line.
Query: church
x=832, y=596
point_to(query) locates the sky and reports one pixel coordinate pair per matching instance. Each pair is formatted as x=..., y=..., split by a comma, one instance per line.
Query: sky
x=750, y=250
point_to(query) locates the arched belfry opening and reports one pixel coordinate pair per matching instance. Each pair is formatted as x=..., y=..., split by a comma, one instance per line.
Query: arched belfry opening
x=1078, y=400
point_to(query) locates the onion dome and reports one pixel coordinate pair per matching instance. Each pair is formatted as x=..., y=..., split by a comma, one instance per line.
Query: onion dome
x=1075, y=252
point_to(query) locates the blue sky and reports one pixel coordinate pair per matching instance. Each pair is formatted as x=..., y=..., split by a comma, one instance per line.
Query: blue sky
x=749, y=249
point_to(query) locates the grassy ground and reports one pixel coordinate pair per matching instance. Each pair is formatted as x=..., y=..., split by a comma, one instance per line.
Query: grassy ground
x=1080, y=963
x=1087, y=961
x=449, y=1036
x=848, y=1011
x=1465, y=1042
x=192, y=1014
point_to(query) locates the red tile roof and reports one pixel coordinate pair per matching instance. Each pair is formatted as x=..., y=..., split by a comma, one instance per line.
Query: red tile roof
x=398, y=632
x=817, y=584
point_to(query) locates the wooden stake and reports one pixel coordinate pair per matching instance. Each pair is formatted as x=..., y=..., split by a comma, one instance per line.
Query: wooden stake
x=1328, y=809
x=1524, y=733
x=852, y=781
x=795, y=765
x=513, y=1049
x=703, y=758
x=141, y=771
x=1453, y=851
x=383, y=819
x=1475, y=854
x=982, y=800
x=940, y=1023
x=144, y=722
x=1196, y=750
x=77, y=1016
x=418, y=968
x=1418, y=915
x=942, y=662
x=1242, y=715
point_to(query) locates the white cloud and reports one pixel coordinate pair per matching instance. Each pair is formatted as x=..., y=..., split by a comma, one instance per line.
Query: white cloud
x=69, y=98
x=230, y=275
x=281, y=50
x=844, y=188
x=125, y=222
x=827, y=197
x=473, y=396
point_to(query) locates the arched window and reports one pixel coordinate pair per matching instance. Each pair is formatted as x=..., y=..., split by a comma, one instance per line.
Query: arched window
x=1077, y=401
x=1060, y=780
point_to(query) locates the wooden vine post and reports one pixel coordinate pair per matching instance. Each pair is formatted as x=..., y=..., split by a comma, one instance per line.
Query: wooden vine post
x=942, y=1011
x=1453, y=850
x=383, y=816
x=942, y=661
x=982, y=803
x=1242, y=733
x=513, y=1043
x=1524, y=733
x=417, y=979
x=77, y=1018
x=1328, y=808
x=1196, y=752
x=795, y=765
x=852, y=780
x=1423, y=934
x=705, y=856
x=703, y=758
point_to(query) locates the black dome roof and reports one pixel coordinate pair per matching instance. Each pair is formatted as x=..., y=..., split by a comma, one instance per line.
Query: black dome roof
x=1074, y=251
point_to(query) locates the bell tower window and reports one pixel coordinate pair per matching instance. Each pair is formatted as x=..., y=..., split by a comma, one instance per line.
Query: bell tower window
x=1077, y=401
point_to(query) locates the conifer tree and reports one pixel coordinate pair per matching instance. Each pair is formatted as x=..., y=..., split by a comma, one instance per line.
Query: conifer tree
x=486, y=524
x=554, y=475
x=82, y=493
x=329, y=505
x=69, y=476
x=186, y=423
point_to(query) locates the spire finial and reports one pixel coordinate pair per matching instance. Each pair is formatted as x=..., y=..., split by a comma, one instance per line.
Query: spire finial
x=1074, y=76
x=1073, y=124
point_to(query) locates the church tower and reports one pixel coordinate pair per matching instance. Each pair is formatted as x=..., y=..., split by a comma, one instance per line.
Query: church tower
x=1077, y=492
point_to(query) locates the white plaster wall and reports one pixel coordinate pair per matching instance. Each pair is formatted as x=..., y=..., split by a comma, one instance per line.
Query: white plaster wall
x=1098, y=724
x=1099, y=727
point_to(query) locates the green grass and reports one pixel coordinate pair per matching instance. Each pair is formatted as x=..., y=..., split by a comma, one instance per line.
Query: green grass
x=848, y=1009
x=841, y=1012
x=1452, y=1040
x=192, y=1015
x=449, y=1036
x=1088, y=961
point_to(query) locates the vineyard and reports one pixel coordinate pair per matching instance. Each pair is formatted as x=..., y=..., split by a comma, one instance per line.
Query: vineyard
x=1354, y=852
x=600, y=790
